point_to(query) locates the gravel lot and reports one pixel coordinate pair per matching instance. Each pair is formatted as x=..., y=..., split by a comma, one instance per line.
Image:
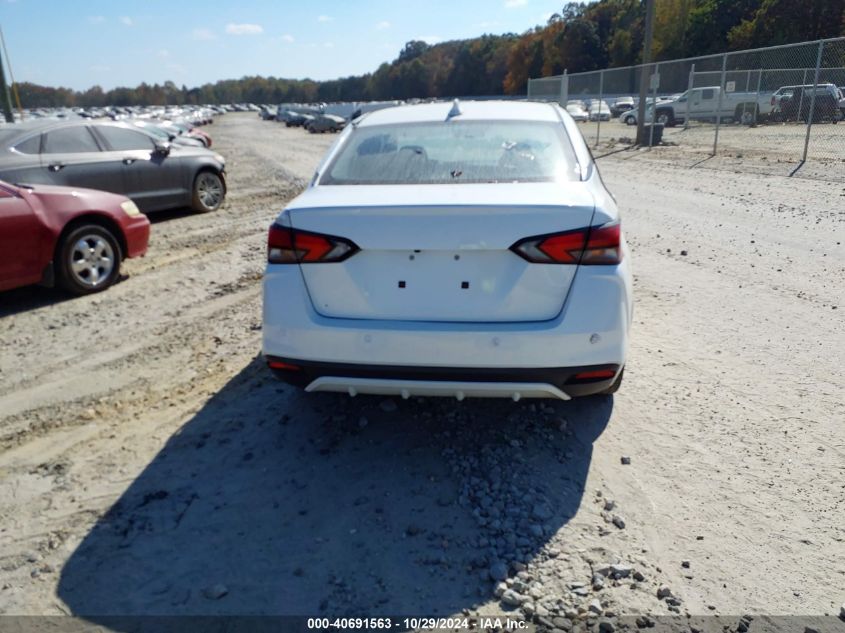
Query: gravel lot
x=769, y=148
x=151, y=465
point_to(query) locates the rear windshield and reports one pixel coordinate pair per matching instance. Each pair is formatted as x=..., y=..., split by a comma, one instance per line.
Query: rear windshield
x=454, y=152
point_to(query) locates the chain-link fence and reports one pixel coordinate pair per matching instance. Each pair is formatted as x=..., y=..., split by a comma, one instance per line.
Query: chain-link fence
x=772, y=110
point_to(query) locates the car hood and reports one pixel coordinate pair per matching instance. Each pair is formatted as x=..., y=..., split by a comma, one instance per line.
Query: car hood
x=58, y=198
x=185, y=151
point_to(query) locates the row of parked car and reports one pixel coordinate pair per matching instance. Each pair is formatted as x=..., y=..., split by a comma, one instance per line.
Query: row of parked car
x=787, y=103
x=313, y=120
x=75, y=191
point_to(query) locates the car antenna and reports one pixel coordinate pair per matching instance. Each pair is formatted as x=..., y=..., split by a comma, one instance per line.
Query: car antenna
x=455, y=111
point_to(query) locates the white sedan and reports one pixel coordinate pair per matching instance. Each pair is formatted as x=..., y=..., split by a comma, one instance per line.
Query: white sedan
x=464, y=250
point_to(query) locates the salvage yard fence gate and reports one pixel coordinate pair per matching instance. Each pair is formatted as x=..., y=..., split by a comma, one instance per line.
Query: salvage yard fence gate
x=773, y=110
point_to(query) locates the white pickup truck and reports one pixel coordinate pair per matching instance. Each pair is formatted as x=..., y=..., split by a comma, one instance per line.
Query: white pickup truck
x=704, y=104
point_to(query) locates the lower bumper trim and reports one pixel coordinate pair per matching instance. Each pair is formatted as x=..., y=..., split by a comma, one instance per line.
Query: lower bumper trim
x=448, y=388
x=543, y=382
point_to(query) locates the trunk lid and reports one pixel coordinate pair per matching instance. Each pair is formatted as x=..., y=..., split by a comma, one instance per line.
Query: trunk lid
x=440, y=252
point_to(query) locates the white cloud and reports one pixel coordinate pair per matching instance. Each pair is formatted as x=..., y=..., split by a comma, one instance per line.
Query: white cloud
x=96, y=19
x=287, y=37
x=163, y=53
x=126, y=20
x=384, y=24
x=329, y=44
x=513, y=4
x=429, y=39
x=244, y=29
x=324, y=18
x=203, y=34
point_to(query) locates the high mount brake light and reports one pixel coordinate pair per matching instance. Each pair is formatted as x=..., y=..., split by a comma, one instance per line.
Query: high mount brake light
x=290, y=246
x=595, y=245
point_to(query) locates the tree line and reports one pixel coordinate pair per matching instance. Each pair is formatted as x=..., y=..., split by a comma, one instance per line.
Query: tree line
x=581, y=37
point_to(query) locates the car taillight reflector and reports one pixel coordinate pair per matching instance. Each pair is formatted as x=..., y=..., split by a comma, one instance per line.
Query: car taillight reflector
x=590, y=246
x=290, y=246
x=277, y=364
x=599, y=374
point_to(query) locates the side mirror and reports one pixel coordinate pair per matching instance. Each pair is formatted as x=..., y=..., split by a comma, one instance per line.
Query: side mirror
x=162, y=149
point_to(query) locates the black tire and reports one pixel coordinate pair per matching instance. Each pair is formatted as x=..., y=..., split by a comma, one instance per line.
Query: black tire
x=666, y=115
x=88, y=259
x=747, y=115
x=615, y=386
x=208, y=192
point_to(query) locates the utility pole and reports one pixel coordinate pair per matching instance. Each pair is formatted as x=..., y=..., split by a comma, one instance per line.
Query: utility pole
x=5, y=96
x=645, y=68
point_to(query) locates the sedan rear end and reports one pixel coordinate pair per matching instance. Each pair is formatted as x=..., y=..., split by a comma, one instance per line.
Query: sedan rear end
x=451, y=249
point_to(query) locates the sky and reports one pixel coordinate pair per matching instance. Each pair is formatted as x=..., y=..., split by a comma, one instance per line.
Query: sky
x=81, y=43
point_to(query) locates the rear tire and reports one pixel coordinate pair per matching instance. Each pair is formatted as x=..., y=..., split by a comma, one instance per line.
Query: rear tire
x=88, y=259
x=208, y=193
x=665, y=117
x=615, y=386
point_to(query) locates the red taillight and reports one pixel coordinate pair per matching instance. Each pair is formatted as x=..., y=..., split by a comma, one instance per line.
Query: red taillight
x=603, y=245
x=289, y=246
x=599, y=374
x=277, y=364
x=590, y=246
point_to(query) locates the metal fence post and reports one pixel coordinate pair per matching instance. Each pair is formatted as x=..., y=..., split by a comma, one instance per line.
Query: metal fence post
x=656, y=81
x=601, y=97
x=745, y=98
x=757, y=99
x=719, y=104
x=564, y=89
x=690, y=86
x=812, y=112
x=801, y=100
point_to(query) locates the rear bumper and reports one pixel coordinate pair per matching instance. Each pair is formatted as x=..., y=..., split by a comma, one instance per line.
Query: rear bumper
x=459, y=382
x=591, y=331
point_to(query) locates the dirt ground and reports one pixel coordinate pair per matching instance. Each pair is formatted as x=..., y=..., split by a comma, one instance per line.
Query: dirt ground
x=774, y=149
x=151, y=465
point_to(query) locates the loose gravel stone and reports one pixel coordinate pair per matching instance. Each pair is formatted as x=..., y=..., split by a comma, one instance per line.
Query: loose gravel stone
x=626, y=460
x=606, y=625
x=595, y=607
x=498, y=571
x=512, y=598
x=618, y=521
x=663, y=591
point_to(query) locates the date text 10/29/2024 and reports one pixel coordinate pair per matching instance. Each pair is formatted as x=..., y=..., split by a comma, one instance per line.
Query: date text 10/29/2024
x=417, y=624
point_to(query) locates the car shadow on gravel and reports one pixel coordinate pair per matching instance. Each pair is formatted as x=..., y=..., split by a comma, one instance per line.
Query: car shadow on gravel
x=34, y=297
x=171, y=214
x=272, y=501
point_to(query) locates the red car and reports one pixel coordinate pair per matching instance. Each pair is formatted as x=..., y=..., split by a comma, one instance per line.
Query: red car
x=74, y=238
